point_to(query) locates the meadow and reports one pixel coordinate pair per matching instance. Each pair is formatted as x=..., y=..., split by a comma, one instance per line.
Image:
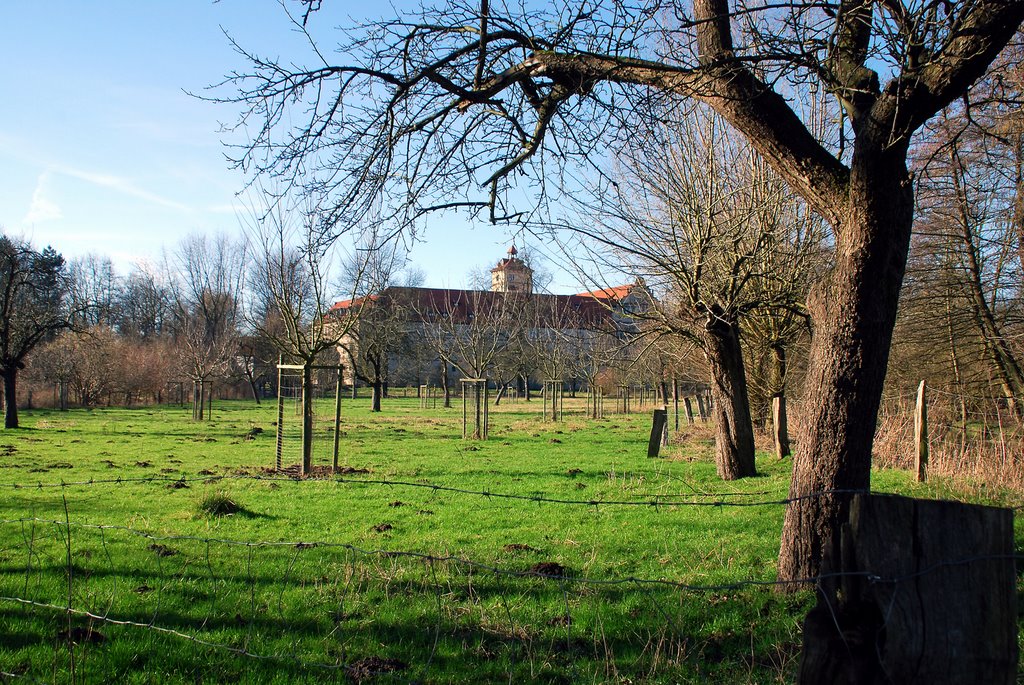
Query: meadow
x=137, y=545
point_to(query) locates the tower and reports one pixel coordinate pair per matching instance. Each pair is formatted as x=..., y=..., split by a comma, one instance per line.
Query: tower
x=512, y=275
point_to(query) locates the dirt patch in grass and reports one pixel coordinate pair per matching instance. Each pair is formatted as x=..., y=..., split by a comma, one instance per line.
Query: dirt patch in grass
x=383, y=527
x=162, y=550
x=142, y=464
x=178, y=484
x=549, y=569
x=351, y=470
x=372, y=666
x=81, y=635
x=61, y=465
x=519, y=547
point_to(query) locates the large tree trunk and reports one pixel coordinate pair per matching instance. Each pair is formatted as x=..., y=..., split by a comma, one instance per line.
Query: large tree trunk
x=734, y=432
x=854, y=314
x=10, y=398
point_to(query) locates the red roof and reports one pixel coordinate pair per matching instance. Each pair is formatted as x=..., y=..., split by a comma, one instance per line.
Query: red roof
x=463, y=305
x=619, y=292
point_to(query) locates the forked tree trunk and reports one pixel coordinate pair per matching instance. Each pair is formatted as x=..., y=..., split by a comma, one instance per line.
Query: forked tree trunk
x=10, y=398
x=854, y=314
x=734, y=432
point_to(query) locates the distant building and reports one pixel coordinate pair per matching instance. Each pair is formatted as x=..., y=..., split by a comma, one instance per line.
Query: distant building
x=512, y=275
x=609, y=311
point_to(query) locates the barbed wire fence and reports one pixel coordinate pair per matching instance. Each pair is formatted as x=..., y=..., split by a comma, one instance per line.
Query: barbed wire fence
x=76, y=595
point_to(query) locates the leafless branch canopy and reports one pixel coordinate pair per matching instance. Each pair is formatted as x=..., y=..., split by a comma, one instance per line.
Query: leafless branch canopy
x=455, y=106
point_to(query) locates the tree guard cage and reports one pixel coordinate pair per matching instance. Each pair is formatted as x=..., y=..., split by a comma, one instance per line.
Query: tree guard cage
x=295, y=384
x=595, y=402
x=428, y=398
x=553, y=396
x=474, y=408
x=623, y=399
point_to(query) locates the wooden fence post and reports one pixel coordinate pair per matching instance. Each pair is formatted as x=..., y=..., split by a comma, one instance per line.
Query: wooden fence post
x=657, y=431
x=307, y=419
x=337, y=413
x=921, y=433
x=688, y=407
x=701, y=408
x=280, y=414
x=924, y=592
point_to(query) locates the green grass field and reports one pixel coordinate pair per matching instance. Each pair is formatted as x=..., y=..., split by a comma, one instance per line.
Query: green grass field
x=377, y=574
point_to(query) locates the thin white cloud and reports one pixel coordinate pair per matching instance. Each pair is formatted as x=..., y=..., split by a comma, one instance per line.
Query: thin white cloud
x=43, y=208
x=121, y=185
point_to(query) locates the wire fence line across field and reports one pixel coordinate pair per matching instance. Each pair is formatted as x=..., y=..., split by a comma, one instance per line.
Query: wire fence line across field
x=650, y=500
x=463, y=561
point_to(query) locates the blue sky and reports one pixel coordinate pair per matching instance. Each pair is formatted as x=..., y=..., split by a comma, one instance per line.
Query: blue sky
x=103, y=152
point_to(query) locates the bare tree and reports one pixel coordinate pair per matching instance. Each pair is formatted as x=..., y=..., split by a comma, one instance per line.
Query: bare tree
x=94, y=291
x=293, y=271
x=207, y=277
x=470, y=329
x=144, y=305
x=697, y=213
x=437, y=104
x=381, y=320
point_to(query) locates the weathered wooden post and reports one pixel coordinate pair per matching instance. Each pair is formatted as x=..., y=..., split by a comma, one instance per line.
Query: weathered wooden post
x=924, y=592
x=688, y=407
x=675, y=400
x=657, y=431
x=307, y=419
x=701, y=407
x=280, y=412
x=921, y=433
x=337, y=414
x=780, y=427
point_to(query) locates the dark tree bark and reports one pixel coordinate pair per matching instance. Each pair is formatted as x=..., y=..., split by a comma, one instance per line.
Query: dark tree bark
x=734, y=434
x=10, y=397
x=854, y=313
x=378, y=393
